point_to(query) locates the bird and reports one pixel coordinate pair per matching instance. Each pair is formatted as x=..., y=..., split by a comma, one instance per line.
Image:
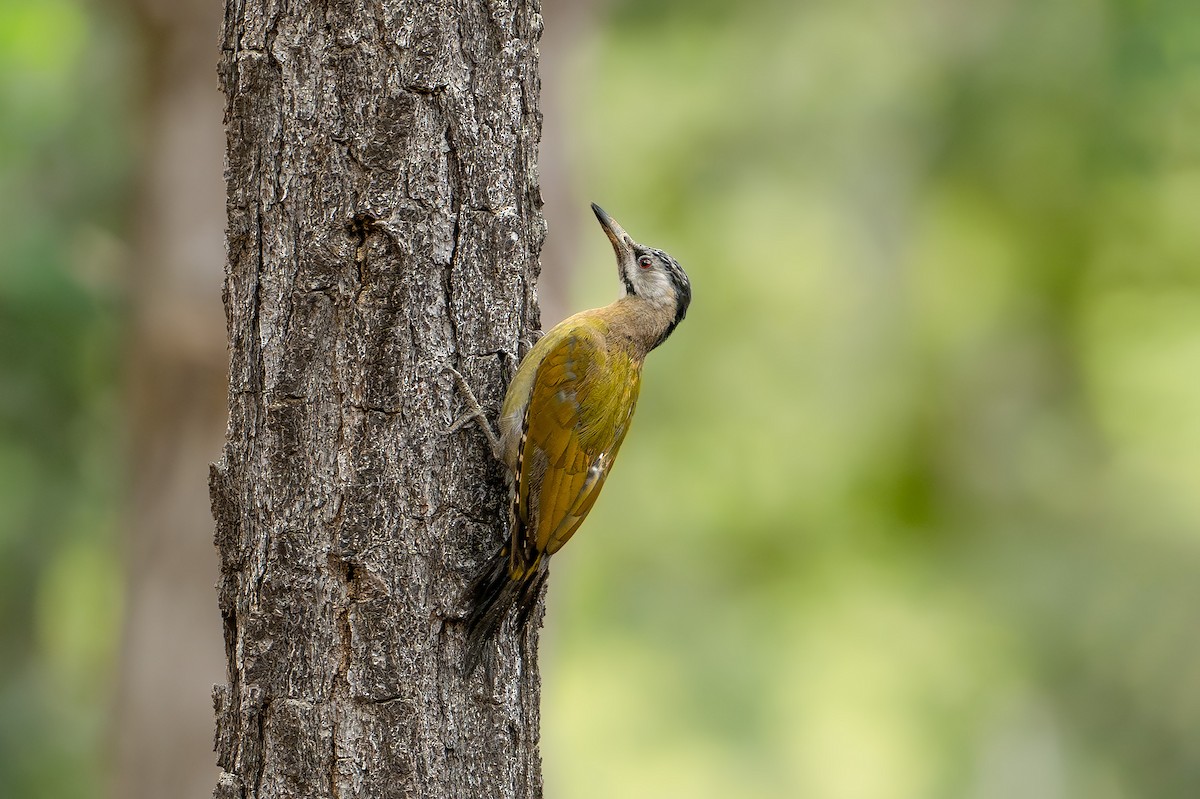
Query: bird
x=565, y=414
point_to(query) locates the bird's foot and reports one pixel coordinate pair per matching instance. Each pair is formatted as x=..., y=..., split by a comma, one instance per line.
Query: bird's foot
x=474, y=413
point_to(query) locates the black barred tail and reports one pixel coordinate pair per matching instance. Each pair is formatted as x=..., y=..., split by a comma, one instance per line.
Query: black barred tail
x=491, y=595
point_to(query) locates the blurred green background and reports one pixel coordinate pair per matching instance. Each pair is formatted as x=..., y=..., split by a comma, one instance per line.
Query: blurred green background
x=912, y=506
x=65, y=172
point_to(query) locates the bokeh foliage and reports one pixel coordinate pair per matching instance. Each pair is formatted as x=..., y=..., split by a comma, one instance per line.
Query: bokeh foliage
x=912, y=504
x=65, y=169
x=911, y=507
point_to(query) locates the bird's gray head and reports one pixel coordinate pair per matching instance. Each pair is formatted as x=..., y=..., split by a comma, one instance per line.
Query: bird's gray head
x=647, y=272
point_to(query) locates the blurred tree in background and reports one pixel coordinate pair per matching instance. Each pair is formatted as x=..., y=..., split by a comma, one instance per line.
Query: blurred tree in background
x=913, y=508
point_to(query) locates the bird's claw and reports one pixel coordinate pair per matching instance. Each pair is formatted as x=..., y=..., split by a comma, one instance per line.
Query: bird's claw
x=474, y=412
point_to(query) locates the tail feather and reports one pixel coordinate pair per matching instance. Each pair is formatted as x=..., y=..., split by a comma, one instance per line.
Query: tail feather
x=491, y=595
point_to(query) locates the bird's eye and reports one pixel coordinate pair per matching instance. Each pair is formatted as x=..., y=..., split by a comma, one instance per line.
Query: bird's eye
x=645, y=261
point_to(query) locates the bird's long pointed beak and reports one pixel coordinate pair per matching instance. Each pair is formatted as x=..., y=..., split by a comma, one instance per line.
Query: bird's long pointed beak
x=622, y=244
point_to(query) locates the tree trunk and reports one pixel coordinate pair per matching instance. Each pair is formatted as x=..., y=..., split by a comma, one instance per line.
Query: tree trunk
x=383, y=223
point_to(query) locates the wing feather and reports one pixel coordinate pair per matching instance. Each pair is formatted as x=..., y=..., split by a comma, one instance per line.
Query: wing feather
x=579, y=410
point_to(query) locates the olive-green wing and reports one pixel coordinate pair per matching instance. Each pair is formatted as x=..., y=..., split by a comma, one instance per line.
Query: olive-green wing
x=579, y=410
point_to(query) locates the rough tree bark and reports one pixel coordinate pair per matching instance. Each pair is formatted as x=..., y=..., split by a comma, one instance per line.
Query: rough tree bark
x=383, y=222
